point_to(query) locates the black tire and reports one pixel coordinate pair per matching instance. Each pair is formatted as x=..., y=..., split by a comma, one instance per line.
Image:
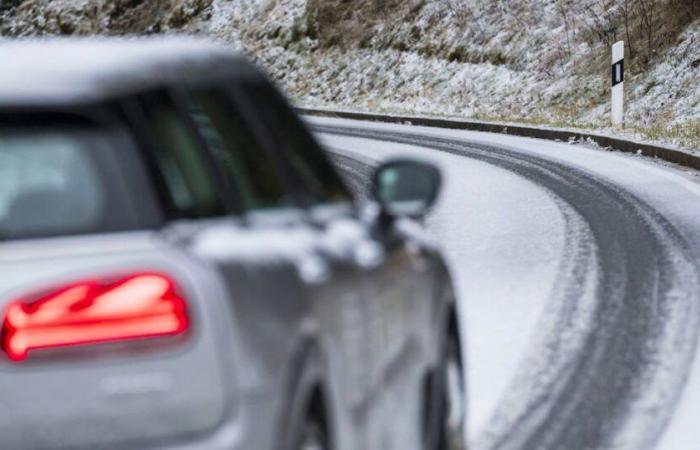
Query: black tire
x=311, y=431
x=446, y=404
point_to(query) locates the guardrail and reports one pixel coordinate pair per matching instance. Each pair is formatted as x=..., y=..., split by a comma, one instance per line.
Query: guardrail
x=666, y=153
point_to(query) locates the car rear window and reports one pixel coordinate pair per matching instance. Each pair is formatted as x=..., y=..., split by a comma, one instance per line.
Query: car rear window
x=60, y=181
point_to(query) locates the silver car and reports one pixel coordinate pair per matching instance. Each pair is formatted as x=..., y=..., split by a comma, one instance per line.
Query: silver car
x=182, y=267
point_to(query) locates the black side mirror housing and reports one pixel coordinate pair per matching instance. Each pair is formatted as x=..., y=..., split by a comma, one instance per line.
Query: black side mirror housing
x=406, y=187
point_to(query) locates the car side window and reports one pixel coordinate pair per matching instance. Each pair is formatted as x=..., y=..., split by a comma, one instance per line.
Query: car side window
x=319, y=180
x=236, y=151
x=181, y=161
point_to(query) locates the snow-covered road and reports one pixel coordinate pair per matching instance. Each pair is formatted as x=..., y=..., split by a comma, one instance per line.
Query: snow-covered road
x=578, y=275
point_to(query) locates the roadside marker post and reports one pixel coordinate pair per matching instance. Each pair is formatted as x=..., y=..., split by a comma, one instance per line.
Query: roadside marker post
x=618, y=83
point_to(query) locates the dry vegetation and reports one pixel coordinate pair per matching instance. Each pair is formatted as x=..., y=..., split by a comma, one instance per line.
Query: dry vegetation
x=647, y=26
x=542, y=61
x=70, y=17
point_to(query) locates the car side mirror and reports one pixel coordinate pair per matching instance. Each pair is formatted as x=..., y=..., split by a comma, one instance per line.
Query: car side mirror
x=405, y=187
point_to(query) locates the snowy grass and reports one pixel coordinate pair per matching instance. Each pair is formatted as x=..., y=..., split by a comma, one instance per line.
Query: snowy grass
x=540, y=62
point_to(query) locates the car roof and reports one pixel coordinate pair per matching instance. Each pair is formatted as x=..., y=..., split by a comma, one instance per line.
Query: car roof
x=50, y=71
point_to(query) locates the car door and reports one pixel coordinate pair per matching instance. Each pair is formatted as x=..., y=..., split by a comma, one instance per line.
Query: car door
x=329, y=207
x=396, y=287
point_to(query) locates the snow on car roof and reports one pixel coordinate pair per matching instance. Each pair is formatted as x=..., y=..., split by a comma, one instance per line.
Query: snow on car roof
x=68, y=70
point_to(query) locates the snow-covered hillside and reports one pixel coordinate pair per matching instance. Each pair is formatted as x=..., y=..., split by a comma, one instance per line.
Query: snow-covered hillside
x=539, y=61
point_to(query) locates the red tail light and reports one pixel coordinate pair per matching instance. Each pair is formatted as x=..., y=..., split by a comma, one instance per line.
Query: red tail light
x=137, y=306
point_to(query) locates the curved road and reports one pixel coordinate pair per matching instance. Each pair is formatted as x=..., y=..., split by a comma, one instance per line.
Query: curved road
x=578, y=275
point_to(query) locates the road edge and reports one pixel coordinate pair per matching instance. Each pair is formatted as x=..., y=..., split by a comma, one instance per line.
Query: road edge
x=665, y=153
